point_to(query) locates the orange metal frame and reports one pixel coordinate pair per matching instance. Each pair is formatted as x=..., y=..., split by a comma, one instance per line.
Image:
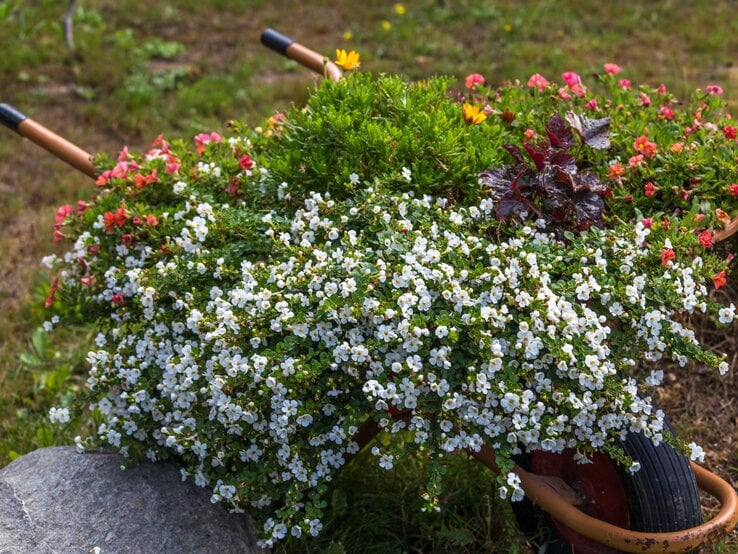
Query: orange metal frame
x=551, y=494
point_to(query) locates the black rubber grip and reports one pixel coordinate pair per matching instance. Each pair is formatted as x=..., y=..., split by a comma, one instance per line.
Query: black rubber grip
x=276, y=41
x=10, y=117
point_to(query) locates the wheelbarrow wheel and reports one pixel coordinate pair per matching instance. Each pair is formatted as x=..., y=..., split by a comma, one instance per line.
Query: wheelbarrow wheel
x=661, y=496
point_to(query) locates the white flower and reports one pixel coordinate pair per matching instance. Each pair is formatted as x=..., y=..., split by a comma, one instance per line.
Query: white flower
x=696, y=454
x=407, y=174
x=59, y=415
x=354, y=179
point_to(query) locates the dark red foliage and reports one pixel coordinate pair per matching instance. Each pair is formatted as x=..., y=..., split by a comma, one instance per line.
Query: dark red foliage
x=552, y=188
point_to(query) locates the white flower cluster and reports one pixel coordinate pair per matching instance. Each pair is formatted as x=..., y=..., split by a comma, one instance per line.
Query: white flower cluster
x=258, y=380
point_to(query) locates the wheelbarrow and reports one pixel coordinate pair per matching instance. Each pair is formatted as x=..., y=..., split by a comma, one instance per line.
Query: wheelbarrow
x=588, y=508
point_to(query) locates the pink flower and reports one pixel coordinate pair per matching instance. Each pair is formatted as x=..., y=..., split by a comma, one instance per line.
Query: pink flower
x=538, y=81
x=118, y=299
x=172, y=168
x=529, y=135
x=662, y=89
x=62, y=213
x=717, y=90
x=666, y=113
x=474, y=79
x=612, y=69
x=86, y=281
x=571, y=79
x=649, y=189
x=647, y=222
x=203, y=139
x=635, y=161
x=124, y=155
x=592, y=104
x=624, y=83
x=564, y=94
x=645, y=100
x=733, y=189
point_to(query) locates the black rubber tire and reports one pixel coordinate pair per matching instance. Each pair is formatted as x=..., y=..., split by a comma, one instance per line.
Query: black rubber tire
x=662, y=496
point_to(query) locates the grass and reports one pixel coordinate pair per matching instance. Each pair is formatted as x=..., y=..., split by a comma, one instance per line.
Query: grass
x=186, y=67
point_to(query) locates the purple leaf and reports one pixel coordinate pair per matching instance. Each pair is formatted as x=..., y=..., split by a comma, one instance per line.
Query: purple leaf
x=499, y=180
x=516, y=153
x=589, y=209
x=593, y=132
x=512, y=207
x=538, y=155
x=559, y=133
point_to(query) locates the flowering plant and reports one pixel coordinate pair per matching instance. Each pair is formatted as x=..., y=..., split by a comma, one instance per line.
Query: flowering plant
x=259, y=297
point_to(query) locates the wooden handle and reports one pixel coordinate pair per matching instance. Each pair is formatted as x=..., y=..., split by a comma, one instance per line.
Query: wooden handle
x=301, y=54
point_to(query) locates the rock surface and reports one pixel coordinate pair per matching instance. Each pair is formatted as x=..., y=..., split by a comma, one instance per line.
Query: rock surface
x=55, y=500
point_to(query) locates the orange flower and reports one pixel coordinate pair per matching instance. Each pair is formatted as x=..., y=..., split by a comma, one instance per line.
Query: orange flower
x=473, y=115
x=643, y=146
x=347, y=61
x=720, y=280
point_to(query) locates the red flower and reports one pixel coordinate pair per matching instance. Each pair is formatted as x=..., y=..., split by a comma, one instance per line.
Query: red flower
x=473, y=80
x=127, y=239
x=118, y=299
x=104, y=178
x=667, y=255
x=612, y=69
x=649, y=189
x=729, y=132
x=643, y=146
x=246, y=163
x=115, y=219
x=592, y=104
x=142, y=181
x=733, y=189
x=645, y=100
x=706, y=239
x=720, y=280
x=538, y=81
x=647, y=222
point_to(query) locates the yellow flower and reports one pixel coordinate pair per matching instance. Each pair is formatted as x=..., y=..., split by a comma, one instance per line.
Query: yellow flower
x=386, y=25
x=473, y=115
x=348, y=35
x=507, y=27
x=400, y=9
x=347, y=61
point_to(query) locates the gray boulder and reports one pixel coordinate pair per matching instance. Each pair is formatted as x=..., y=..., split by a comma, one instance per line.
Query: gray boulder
x=56, y=500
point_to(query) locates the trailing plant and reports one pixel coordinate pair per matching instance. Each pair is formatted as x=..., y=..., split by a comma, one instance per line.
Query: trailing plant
x=259, y=297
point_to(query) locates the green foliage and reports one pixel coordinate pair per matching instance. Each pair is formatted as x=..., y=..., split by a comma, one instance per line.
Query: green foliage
x=375, y=127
